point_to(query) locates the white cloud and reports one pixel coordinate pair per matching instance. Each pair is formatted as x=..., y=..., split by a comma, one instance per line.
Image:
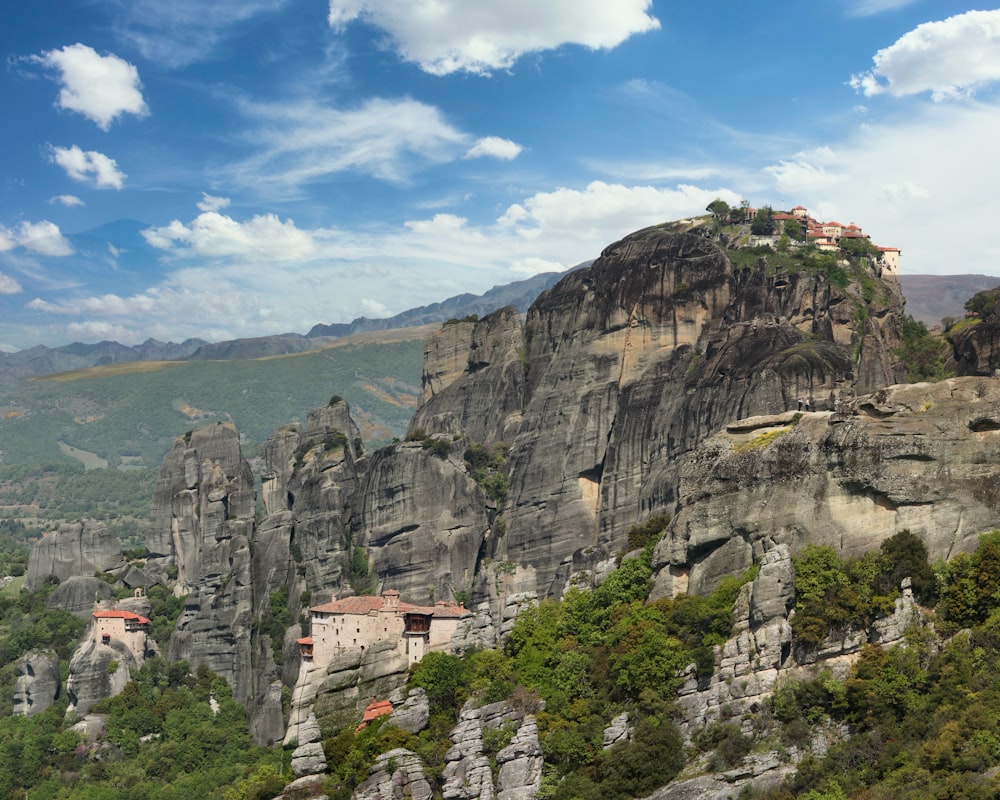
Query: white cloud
x=102, y=88
x=8, y=285
x=182, y=32
x=305, y=141
x=495, y=147
x=445, y=36
x=867, y=8
x=82, y=165
x=606, y=208
x=215, y=235
x=920, y=185
x=68, y=200
x=41, y=237
x=950, y=58
x=210, y=203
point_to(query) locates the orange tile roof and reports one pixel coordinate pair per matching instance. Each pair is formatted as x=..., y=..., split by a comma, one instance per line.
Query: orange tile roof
x=304, y=640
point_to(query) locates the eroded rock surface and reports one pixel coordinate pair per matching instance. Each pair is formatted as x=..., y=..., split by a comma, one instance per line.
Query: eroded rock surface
x=920, y=457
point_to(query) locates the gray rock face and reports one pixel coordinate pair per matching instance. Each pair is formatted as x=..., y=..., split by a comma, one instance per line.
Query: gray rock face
x=919, y=456
x=78, y=595
x=520, y=762
x=77, y=548
x=38, y=685
x=474, y=379
x=467, y=774
x=308, y=759
x=202, y=523
x=410, y=712
x=97, y=671
x=760, y=653
x=422, y=520
x=630, y=364
x=309, y=478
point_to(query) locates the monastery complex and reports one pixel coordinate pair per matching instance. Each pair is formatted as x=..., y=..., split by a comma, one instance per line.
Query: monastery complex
x=827, y=236
x=356, y=623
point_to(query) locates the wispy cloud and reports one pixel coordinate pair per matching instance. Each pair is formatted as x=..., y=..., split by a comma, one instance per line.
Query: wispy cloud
x=868, y=8
x=68, y=200
x=306, y=141
x=446, y=36
x=495, y=147
x=102, y=88
x=182, y=32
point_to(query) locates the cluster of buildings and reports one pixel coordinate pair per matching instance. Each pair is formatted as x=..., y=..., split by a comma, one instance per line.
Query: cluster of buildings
x=827, y=236
x=356, y=623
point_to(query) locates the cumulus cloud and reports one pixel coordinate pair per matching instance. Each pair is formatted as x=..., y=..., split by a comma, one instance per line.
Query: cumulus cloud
x=83, y=165
x=68, y=200
x=306, y=141
x=607, y=207
x=215, y=235
x=102, y=88
x=949, y=59
x=445, y=36
x=495, y=147
x=41, y=237
x=8, y=285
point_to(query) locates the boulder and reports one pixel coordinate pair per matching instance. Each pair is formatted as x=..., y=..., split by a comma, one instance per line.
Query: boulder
x=75, y=549
x=79, y=595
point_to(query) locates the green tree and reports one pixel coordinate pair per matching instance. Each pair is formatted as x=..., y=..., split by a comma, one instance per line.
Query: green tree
x=719, y=209
x=763, y=223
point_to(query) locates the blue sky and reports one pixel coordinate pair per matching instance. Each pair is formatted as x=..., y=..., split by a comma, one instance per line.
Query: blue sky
x=280, y=163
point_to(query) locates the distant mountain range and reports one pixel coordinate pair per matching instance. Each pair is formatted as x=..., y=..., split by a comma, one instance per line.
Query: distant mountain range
x=929, y=298
x=42, y=360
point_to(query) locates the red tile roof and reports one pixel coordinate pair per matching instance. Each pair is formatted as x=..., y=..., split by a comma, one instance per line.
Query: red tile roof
x=369, y=605
x=304, y=640
x=118, y=614
x=376, y=709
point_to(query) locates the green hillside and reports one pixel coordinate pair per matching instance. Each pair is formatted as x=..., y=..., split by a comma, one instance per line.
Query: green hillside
x=128, y=414
x=89, y=443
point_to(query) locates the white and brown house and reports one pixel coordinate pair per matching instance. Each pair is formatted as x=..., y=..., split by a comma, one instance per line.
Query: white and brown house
x=125, y=627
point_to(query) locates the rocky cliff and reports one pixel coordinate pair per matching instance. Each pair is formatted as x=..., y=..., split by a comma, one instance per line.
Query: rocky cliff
x=749, y=400
x=629, y=365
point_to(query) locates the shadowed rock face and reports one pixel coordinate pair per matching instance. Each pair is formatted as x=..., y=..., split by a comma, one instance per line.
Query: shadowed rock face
x=203, y=518
x=977, y=348
x=474, y=379
x=920, y=456
x=38, y=685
